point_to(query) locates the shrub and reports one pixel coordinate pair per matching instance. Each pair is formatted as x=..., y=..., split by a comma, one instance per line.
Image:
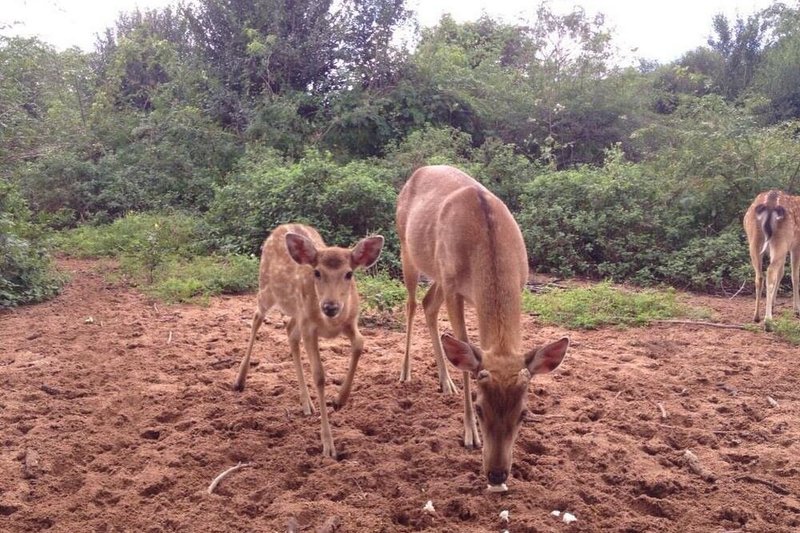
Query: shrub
x=610, y=222
x=343, y=202
x=26, y=273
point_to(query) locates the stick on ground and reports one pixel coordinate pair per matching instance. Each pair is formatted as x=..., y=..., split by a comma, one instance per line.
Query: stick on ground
x=700, y=323
x=697, y=467
x=222, y=476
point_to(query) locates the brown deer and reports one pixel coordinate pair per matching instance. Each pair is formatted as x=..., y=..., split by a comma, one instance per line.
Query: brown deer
x=467, y=242
x=772, y=222
x=313, y=284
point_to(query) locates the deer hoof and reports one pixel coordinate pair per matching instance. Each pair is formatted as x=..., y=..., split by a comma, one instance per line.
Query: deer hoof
x=237, y=386
x=448, y=387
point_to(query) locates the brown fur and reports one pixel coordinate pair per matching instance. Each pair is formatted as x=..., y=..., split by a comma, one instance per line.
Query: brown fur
x=772, y=223
x=302, y=276
x=466, y=241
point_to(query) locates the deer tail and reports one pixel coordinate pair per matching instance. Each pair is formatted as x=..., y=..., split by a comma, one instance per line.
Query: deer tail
x=769, y=214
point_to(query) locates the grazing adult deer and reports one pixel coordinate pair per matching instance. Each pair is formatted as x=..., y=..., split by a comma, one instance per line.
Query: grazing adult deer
x=772, y=222
x=465, y=240
x=314, y=285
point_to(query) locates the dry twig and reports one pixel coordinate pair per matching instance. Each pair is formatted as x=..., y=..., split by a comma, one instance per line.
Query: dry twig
x=701, y=323
x=695, y=466
x=222, y=476
x=772, y=401
x=737, y=292
x=774, y=487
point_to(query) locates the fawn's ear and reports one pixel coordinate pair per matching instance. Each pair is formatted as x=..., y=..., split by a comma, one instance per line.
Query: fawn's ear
x=366, y=252
x=301, y=249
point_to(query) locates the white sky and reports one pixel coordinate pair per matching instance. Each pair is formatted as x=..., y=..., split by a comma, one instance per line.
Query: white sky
x=660, y=30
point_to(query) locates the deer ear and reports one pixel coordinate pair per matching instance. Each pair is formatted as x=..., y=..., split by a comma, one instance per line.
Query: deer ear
x=366, y=252
x=547, y=358
x=463, y=355
x=301, y=249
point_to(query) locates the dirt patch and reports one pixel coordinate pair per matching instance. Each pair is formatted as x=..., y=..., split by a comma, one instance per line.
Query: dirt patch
x=117, y=414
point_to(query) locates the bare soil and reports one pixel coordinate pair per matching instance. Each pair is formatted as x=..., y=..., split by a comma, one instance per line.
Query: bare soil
x=116, y=414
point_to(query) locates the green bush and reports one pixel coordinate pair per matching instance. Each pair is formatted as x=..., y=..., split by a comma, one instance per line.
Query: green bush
x=716, y=263
x=26, y=273
x=343, y=202
x=610, y=222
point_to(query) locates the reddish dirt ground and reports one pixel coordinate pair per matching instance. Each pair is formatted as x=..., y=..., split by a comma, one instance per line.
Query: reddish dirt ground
x=119, y=423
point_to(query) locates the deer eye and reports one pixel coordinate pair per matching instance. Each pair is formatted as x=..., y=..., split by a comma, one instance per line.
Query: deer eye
x=349, y=275
x=317, y=274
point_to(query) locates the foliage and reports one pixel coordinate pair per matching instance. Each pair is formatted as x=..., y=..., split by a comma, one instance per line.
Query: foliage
x=173, y=233
x=195, y=279
x=245, y=114
x=604, y=305
x=380, y=292
x=26, y=274
x=343, y=202
x=715, y=263
x=608, y=222
x=787, y=327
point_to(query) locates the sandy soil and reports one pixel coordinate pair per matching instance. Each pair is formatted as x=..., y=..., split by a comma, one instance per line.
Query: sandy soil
x=117, y=414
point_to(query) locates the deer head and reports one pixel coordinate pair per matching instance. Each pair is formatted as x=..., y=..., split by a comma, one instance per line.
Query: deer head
x=502, y=396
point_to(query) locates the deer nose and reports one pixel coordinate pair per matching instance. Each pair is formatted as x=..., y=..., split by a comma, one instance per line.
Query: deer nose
x=497, y=477
x=330, y=309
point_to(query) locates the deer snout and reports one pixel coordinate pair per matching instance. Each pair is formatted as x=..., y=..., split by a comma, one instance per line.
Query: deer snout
x=497, y=477
x=331, y=309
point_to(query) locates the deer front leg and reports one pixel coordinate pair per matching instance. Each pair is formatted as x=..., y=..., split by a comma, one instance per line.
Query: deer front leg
x=356, y=348
x=431, y=304
x=294, y=345
x=312, y=348
x=455, y=310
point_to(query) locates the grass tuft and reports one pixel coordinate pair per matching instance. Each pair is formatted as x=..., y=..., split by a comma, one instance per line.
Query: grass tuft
x=604, y=305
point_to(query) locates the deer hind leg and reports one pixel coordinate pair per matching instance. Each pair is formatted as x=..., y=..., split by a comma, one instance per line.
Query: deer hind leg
x=410, y=278
x=756, y=259
x=265, y=303
x=455, y=311
x=312, y=348
x=356, y=348
x=294, y=345
x=431, y=304
x=775, y=270
x=795, y=265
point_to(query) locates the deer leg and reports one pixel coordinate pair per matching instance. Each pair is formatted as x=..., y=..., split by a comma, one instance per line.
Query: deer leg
x=312, y=348
x=455, y=310
x=265, y=303
x=294, y=345
x=774, y=275
x=431, y=304
x=356, y=348
x=756, y=259
x=795, y=265
x=410, y=278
